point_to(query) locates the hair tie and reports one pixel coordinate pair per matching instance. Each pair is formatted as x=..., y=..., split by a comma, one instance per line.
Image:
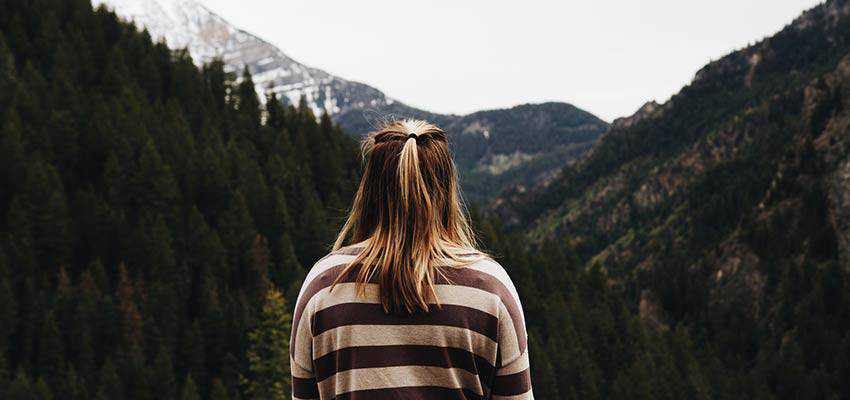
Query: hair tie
x=411, y=136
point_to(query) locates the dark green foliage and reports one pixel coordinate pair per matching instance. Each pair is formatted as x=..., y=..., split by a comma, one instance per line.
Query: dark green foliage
x=719, y=217
x=20, y=388
x=146, y=206
x=585, y=341
x=268, y=354
x=190, y=390
x=219, y=392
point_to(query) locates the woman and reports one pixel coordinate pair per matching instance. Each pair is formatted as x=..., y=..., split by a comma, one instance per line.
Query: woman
x=411, y=310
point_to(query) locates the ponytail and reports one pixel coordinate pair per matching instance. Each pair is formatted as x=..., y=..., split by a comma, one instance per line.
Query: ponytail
x=409, y=214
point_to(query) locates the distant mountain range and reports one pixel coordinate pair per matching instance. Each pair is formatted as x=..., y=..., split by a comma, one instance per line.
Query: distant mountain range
x=495, y=149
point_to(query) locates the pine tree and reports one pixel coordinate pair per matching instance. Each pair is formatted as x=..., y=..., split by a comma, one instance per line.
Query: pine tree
x=48, y=209
x=51, y=353
x=190, y=390
x=42, y=391
x=289, y=273
x=8, y=307
x=110, y=385
x=7, y=75
x=12, y=155
x=268, y=357
x=313, y=229
x=20, y=388
x=237, y=232
x=256, y=278
x=219, y=391
x=85, y=323
x=74, y=387
x=247, y=102
x=152, y=185
x=154, y=251
x=4, y=374
x=193, y=353
x=163, y=375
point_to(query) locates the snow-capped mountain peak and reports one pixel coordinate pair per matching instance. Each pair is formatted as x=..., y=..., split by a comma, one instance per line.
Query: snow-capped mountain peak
x=189, y=24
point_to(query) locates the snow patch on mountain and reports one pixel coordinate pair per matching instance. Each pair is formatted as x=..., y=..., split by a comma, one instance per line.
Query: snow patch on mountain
x=189, y=24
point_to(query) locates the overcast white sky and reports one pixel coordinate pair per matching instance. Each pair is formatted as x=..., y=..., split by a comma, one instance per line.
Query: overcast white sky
x=460, y=56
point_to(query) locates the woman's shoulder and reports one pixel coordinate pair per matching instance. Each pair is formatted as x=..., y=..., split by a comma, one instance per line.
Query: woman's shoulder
x=343, y=255
x=485, y=273
x=324, y=271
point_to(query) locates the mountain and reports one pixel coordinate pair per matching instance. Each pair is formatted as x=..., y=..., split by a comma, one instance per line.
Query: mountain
x=188, y=24
x=726, y=210
x=496, y=149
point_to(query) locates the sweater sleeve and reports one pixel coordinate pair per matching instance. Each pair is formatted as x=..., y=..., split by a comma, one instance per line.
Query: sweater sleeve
x=513, y=377
x=304, y=384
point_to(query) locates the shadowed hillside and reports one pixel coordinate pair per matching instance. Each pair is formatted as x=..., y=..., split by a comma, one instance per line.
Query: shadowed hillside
x=725, y=211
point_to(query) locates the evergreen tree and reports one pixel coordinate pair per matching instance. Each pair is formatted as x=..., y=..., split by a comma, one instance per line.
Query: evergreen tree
x=74, y=387
x=42, y=391
x=219, y=391
x=109, y=385
x=190, y=390
x=7, y=74
x=247, y=102
x=51, y=359
x=268, y=356
x=20, y=388
x=8, y=306
x=163, y=375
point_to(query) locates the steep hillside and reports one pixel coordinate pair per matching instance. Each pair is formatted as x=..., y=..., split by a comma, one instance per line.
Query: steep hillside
x=521, y=146
x=727, y=209
x=496, y=149
x=147, y=212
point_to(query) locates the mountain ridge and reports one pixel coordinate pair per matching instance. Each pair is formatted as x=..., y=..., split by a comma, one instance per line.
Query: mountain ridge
x=724, y=212
x=359, y=108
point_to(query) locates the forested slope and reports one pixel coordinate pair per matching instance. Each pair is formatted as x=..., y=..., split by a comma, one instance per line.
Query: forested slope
x=145, y=210
x=724, y=212
x=151, y=212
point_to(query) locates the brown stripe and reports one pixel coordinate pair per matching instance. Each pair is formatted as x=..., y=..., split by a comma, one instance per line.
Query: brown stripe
x=456, y=276
x=325, y=279
x=373, y=314
x=305, y=388
x=509, y=385
x=412, y=393
x=398, y=335
x=484, y=281
x=390, y=356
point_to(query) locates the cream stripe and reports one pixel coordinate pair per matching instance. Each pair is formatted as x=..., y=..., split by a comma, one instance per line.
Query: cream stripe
x=302, y=352
x=397, y=377
x=298, y=371
x=508, y=339
x=447, y=294
x=415, y=335
x=323, y=265
x=493, y=268
x=519, y=365
x=302, y=398
x=529, y=395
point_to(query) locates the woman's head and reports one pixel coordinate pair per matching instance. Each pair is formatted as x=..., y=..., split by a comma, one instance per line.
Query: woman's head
x=409, y=209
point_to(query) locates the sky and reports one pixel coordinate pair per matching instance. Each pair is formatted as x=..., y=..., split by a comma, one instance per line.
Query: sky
x=461, y=56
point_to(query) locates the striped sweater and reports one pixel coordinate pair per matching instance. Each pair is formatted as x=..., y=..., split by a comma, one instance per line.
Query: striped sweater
x=474, y=346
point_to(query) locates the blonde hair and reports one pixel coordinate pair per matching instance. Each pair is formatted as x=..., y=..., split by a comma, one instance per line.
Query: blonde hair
x=410, y=214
